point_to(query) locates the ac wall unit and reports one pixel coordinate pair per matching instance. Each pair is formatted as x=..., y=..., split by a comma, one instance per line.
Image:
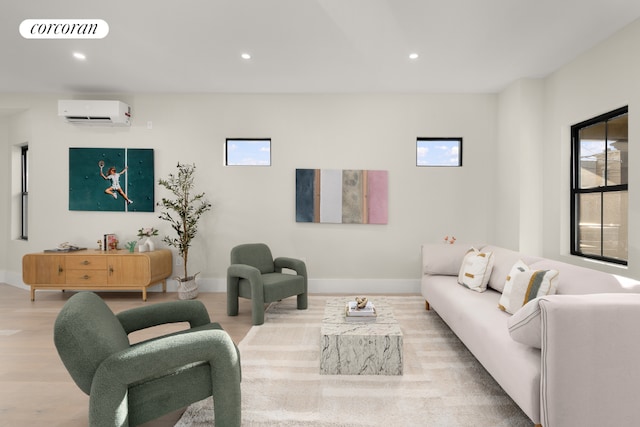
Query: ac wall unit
x=109, y=113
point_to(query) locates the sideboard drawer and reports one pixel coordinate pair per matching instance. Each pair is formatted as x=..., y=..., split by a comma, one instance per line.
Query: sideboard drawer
x=87, y=277
x=86, y=262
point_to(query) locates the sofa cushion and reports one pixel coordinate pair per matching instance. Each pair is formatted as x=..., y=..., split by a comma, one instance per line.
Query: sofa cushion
x=443, y=259
x=503, y=261
x=476, y=269
x=525, y=327
x=525, y=286
x=576, y=280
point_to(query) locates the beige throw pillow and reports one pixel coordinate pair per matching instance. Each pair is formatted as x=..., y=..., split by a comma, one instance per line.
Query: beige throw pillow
x=518, y=267
x=476, y=270
x=525, y=286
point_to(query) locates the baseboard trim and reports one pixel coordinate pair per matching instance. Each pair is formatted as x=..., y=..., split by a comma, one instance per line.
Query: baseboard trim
x=13, y=279
x=330, y=286
x=316, y=286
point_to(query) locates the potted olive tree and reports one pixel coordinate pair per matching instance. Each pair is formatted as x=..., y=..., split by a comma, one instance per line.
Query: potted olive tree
x=183, y=212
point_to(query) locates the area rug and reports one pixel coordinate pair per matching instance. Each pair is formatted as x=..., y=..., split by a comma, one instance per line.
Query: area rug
x=442, y=384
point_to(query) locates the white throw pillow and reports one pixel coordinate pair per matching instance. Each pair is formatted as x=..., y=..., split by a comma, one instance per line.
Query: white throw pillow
x=525, y=286
x=518, y=267
x=476, y=269
x=525, y=325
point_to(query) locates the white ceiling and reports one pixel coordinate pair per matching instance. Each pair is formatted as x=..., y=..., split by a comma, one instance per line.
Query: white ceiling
x=303, y=46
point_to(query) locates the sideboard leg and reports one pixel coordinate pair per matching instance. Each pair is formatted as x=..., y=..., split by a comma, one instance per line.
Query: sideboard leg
x=426, y=305
x=33, y=293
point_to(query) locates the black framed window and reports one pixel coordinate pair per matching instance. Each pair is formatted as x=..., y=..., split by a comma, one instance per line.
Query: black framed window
x=439, y=152
x=600, y=188
x=24, y=206
x=247, y=152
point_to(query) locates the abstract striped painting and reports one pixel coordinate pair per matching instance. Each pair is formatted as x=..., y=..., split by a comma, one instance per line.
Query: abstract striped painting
x=341, y=196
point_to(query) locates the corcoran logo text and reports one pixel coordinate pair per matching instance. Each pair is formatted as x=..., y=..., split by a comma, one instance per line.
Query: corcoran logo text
x=64, y=29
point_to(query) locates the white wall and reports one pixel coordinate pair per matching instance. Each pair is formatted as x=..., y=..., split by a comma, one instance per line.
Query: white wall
x=603, y=79
x=534, y=148
x=258, y=203
x=519, y=201
x=16, y=131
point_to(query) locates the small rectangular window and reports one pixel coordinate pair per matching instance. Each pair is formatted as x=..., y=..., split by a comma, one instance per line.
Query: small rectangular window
x=247, y=152
x=439, y=152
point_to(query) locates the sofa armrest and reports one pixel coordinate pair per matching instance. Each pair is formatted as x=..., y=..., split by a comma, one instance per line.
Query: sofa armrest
x=590, y=352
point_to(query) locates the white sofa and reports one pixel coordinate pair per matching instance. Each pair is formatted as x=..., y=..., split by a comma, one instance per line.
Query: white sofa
x=585, y=370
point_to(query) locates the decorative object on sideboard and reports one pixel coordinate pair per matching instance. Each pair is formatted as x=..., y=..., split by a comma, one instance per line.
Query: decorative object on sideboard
x=110, y=242
x=450, y=240
x=131, y=246
x=183, y=213
x=65, y=247
x=147, y=233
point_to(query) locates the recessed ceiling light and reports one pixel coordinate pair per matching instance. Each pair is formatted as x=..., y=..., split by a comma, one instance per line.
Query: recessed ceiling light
x=246, y=56
x=413, y=56
x=80, y=56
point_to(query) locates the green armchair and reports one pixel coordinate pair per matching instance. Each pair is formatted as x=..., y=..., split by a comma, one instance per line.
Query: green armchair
x=255, y=275
x=129, y=385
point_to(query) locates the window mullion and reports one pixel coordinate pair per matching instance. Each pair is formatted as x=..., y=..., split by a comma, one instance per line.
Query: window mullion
x=602, y=222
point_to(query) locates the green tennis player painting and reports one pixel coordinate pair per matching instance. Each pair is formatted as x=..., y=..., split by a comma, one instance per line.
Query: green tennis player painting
x=110, y=179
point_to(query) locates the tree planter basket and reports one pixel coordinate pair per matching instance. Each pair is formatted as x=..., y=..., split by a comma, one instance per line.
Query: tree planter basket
x=187, y=287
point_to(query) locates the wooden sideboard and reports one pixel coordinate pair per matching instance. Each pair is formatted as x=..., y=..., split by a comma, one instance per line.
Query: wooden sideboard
x=97, y=270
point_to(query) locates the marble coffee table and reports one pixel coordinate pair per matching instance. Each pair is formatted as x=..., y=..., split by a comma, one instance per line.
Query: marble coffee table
x=360, y=347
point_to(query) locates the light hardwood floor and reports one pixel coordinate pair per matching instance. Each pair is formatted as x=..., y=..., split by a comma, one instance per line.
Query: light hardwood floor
x=35, y=388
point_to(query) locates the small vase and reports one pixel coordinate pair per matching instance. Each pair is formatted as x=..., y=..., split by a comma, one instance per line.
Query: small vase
x=150, y=245
x=142, y=247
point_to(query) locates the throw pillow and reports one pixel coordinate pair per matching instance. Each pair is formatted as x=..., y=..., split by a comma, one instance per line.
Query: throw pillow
x=518, y=267
x=476, y=270
x=526, y=286
x=525, y=325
